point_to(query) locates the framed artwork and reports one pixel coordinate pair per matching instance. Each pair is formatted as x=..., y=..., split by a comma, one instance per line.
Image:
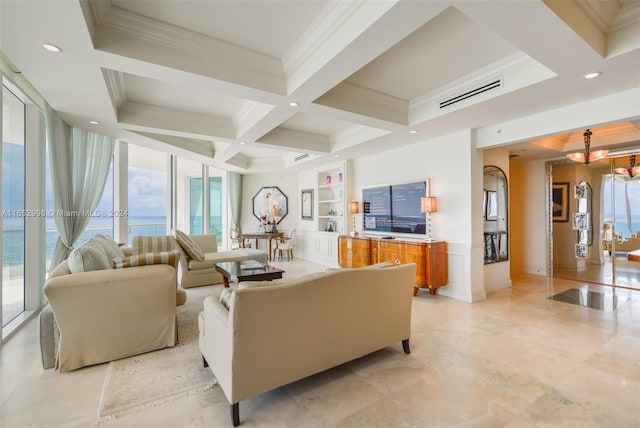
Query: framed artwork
x=270, y=203
x=560, y=202
x=580, y=191
x=307, y=204
x=580, y=221
x=581, y=251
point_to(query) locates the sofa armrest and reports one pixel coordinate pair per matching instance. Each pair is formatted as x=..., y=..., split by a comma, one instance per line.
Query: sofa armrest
x=218, y=341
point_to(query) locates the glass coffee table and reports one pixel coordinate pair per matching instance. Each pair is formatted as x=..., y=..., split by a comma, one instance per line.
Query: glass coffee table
x=247, y=270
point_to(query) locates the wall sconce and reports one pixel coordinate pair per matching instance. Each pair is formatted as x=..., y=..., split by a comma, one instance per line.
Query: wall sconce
x=354, y=208
x=428, y=205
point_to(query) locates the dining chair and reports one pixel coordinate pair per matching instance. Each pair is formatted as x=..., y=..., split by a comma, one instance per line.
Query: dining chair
x=286, y=243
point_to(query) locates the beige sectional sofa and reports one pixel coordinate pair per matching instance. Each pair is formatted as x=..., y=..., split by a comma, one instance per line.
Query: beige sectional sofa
x=262, y=335
x=194, y=273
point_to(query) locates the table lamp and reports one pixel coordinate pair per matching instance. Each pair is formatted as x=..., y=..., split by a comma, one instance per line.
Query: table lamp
x=354, y=208
x=429, y=204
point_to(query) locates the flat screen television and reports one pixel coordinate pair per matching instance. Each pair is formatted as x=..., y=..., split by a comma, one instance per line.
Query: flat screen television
x=394, y=209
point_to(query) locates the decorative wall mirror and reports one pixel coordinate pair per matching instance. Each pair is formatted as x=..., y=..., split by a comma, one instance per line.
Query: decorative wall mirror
x=495, y=213
x=270, y=203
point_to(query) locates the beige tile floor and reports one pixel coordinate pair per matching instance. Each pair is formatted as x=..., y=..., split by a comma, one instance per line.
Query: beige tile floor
x=516, y=359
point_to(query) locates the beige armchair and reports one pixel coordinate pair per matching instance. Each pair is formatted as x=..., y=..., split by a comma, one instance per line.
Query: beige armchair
x=105, y=315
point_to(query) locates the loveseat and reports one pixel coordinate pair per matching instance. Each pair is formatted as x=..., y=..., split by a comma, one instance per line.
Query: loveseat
x=258, y=336
x=103, y=314
x=194, y=273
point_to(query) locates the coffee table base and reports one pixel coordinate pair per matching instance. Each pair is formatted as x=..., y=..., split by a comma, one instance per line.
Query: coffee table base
x=246, y=271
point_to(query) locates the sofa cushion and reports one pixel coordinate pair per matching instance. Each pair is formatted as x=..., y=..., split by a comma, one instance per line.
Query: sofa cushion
x=164, y=257
x=189, y=247
x=152, y=244
x=88, y=257
x=110, y=247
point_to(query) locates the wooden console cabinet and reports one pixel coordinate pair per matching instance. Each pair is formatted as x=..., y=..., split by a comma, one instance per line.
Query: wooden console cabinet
x=430, y=257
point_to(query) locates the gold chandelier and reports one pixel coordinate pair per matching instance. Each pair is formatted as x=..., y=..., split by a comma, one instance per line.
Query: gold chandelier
x=588, y=156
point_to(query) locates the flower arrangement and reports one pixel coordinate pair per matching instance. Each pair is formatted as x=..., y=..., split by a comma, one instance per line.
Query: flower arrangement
x=268, y=224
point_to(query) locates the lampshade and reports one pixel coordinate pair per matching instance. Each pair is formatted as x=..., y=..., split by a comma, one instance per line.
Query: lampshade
x=429, y=204
x=588, y=156
x=354, y=207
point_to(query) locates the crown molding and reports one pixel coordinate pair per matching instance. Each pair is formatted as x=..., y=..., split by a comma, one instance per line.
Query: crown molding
x=629, y=15
x=366, y=101
x=116, y=86
x=179, y=122
x=330, y=19
x=355, y=135
x=303, y=142
x=250, y=113
x=601, y=14
x=171, y=36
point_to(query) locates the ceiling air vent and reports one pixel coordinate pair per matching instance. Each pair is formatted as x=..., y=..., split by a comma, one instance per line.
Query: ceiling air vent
x=471, y=93
x=299, y=158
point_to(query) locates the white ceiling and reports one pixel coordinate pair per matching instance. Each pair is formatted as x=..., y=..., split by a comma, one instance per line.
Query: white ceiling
x=197, y=78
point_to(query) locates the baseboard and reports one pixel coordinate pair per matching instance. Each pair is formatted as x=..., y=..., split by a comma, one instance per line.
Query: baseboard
x=497, y=286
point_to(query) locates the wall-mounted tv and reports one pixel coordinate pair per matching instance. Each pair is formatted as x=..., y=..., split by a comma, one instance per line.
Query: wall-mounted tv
x=394, y=209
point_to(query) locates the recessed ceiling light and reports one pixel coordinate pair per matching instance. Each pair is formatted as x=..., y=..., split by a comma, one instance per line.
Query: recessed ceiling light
x=591, y=75
x=336, y=156
x=243, y=142
x=413, y=131
x=94, y=122
x=52, y=48
x=294, y=104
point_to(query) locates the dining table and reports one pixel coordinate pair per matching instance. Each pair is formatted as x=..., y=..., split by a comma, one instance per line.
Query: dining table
x=269, y=236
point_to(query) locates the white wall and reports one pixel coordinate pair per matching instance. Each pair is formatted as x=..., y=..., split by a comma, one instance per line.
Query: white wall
x=528, y=217
x=455, y=169
x=287, y=182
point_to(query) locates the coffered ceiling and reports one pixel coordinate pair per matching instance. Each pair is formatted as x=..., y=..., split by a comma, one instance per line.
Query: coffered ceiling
x=214, y=80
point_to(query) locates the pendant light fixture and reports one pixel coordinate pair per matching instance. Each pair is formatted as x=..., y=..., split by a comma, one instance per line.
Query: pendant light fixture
x=588, y=156
x=632, y=171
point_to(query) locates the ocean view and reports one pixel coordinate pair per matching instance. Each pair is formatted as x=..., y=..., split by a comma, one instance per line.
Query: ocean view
x=13, y=234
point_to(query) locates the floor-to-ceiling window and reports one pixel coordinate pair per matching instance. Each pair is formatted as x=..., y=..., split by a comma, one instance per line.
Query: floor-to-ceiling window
x=217, y=197
x=13, y=204
x=189, y=197
x=147, y=189
x=200, y=196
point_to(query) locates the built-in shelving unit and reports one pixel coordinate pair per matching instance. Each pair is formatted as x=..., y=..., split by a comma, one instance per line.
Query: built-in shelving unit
x=331, y=200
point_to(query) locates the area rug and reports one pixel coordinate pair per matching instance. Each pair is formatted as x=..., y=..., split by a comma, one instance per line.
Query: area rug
x=157, y=377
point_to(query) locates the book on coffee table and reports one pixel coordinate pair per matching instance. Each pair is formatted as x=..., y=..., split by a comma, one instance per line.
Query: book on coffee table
x=251, y=265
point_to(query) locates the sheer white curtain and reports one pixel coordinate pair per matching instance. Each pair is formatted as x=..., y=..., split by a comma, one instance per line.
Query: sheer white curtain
x=235, y=199
x=80, y=162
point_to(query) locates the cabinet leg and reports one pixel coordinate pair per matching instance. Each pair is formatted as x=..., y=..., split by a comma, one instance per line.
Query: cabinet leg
x=433, y=290
x=415, y=291
x=235, y=414
x=405, y=346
